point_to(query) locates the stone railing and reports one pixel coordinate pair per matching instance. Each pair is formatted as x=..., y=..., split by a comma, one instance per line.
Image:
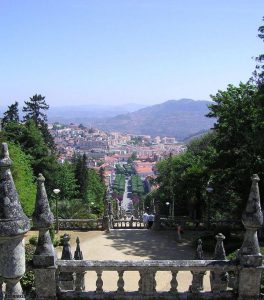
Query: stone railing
x=147, y=282
x=81, y=224
x=121, y=224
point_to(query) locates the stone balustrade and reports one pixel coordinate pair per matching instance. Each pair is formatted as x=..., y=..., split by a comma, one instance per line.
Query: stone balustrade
x=122, y=224
x=147, y=283
x=81, y=224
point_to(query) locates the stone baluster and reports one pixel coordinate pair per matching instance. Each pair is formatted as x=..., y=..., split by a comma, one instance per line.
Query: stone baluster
x=249, y=254
x=148, y=282
x=99, y=282
x=140, y=281
x=197, y=280
x=120, y=282
x=66, y=279
x=1, y=290
x=44, y=258
x=174, y=282
x=13, y=226
x=219, y=280
x=79, y=281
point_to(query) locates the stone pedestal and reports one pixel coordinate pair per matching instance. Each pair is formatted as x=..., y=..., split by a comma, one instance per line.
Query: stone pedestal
x=45, y=283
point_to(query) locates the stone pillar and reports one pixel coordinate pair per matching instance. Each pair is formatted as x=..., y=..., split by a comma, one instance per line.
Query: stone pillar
x=219, y=280
x=13, y=226
x=66, y=279
x=44, y=258
x=79, y=281
x=249, y=254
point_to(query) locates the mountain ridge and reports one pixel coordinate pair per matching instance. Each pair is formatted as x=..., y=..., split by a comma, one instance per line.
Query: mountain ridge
x=177, y=118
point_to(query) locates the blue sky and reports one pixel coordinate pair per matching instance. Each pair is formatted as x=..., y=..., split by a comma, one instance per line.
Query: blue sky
x=123, y=51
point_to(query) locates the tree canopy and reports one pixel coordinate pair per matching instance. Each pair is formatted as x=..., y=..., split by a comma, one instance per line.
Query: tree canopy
x=11, y=115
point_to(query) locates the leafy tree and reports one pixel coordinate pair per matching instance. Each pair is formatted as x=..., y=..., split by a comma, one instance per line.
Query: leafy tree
x=66, y=182
x=23, y=178
x=239, y=143
x=31, y=141
x=11, y=115
x=96, y=192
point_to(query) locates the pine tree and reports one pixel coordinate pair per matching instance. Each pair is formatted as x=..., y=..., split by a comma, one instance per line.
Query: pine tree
x=11, y=115
x=81, y=175
x=34, y=110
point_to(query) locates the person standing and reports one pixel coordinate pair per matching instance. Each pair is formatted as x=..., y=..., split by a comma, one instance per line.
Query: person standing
x=145, y=219
x=150, y=220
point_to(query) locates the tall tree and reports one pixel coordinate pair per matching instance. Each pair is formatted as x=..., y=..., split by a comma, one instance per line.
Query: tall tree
x=259, y=72
x=11, y=115
x=81, y=175
x=34, y=109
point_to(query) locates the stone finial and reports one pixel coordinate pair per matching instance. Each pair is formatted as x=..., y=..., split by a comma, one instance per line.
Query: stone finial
x=78, y=253
x=44, y=255
x=199, y=250
x=252, y=219
x=14, y=221
x=219, y=248
x=42, y=216
x=66, y=250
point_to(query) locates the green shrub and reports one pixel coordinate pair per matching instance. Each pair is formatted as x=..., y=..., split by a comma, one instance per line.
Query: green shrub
x=33, y=240
x=28, y=280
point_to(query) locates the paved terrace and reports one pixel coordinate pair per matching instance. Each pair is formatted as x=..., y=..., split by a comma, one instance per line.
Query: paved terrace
x=135, y=245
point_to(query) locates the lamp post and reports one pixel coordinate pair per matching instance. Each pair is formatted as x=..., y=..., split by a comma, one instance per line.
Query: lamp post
x=210, y=190
x=56, y=192
x=168, y=205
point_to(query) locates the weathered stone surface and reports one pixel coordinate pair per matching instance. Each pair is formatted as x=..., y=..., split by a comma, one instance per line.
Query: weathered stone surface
x=13, y=221
x=249, y=254
x=66, y=250
x=44, y=255
x=13, y=225
x=252, y=219
x=66, y=279
x=45, y=283
x=78, y=253
x=42, y=216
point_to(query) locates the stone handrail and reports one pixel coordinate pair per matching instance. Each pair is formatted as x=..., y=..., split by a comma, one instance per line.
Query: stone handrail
x=158, y=265
x=127, y=224
x=80, y=224
x=147, y=283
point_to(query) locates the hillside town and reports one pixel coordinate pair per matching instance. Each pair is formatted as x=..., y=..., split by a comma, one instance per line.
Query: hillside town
x=105, y=150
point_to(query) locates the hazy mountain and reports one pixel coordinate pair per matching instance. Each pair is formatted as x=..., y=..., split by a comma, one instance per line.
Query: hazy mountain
x=88, y=113
x=177, y=118
x=83, y=113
